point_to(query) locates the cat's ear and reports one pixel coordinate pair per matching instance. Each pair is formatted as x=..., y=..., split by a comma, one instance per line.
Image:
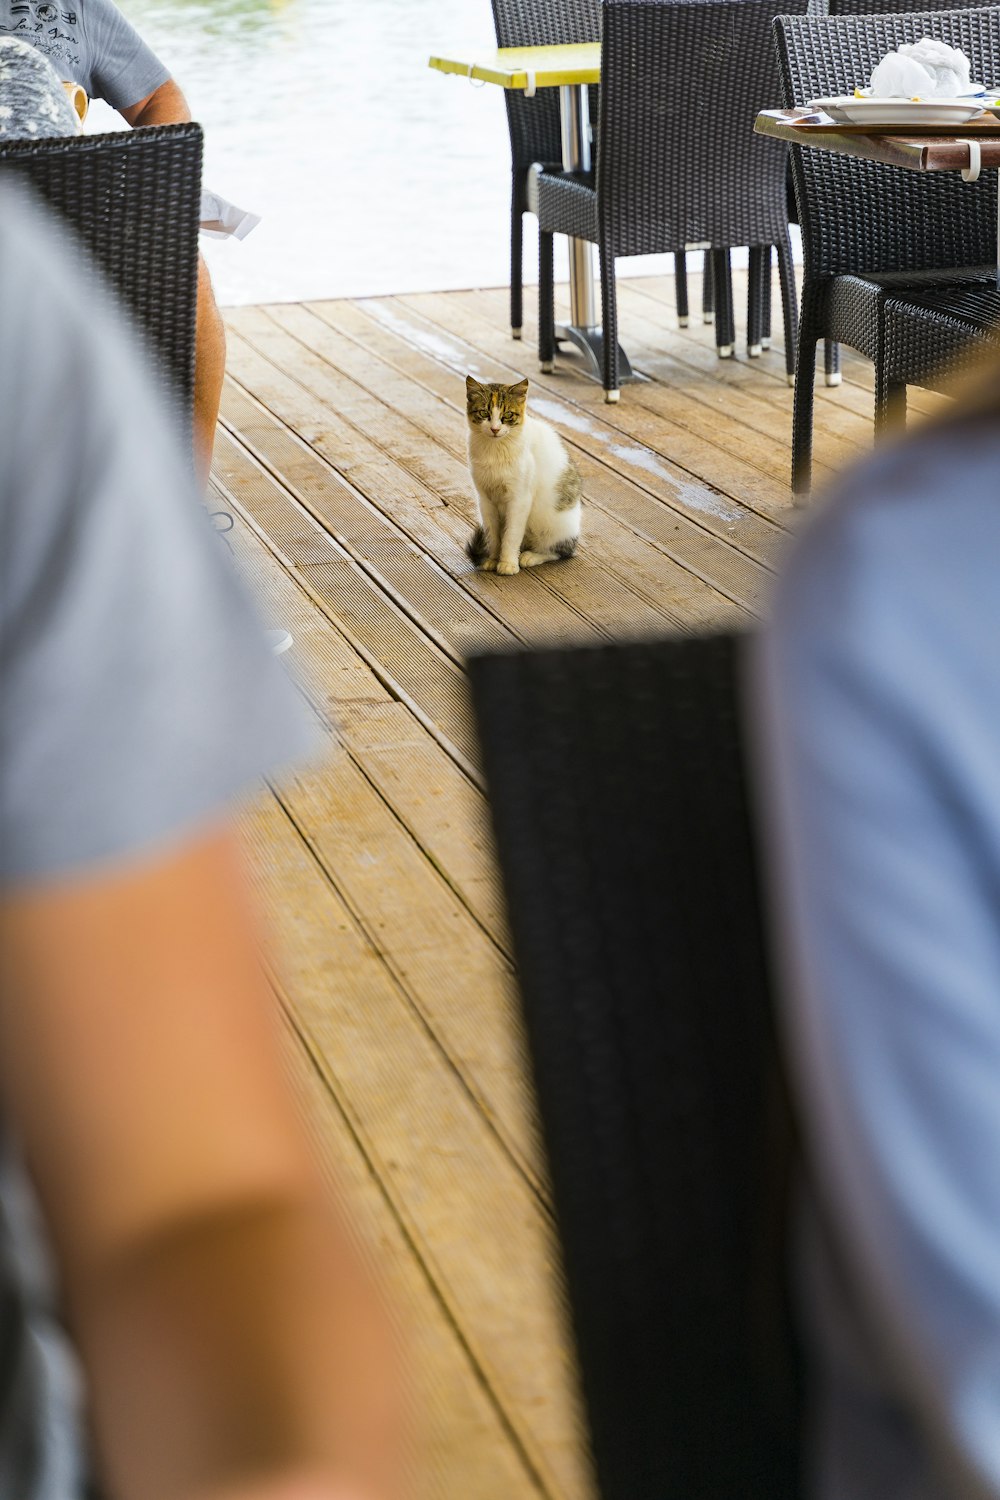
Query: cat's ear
x=519, y=391
x=471, y=386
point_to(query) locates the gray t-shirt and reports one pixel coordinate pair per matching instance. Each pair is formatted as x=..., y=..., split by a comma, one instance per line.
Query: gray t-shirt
x=88, y=42
x=137, y=697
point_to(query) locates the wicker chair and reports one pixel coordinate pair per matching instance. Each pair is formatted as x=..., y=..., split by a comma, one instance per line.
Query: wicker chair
x=871, y=231
x=931, y=340
x=678, y=163
x=617, y=787
x=535, y=129
x=132, y=198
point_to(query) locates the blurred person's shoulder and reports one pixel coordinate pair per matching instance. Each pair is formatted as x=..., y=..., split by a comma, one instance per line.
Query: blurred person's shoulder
x=903, y=547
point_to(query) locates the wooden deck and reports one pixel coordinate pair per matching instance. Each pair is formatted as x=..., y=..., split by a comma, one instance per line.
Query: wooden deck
x=342, y=457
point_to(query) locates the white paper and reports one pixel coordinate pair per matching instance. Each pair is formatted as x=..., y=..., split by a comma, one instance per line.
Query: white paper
x=223, y=220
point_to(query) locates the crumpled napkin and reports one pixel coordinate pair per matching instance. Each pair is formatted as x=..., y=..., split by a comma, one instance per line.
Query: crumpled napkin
x=223, y=220
x=927, y=69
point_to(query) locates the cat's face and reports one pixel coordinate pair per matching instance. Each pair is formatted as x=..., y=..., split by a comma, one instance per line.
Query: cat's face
x=495, y=410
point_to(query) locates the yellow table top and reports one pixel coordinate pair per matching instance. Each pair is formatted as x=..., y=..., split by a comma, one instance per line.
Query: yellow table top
x=510, y=67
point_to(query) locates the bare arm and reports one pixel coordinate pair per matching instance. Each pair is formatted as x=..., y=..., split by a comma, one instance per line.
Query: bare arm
x=164, y=106
x=233, y=1343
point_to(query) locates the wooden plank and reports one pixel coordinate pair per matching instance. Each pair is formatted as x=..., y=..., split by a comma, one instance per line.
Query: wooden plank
x=474, y=1223
x=743, y=476
x=607, y=583
x=459, y=984
x=444, y=812
x=460, y=1444
x=656, y=501
x=854, y=395
x=310, y=442
x=591, y=587
x=406, y=659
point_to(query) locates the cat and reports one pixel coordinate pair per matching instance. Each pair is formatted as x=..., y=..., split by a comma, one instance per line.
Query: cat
x=527, y=485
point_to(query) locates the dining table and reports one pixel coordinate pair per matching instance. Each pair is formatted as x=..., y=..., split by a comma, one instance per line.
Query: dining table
x=571, y=68
x=969, y=149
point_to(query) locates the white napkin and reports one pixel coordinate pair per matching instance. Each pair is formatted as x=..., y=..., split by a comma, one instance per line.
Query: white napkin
x=222, y=219
x=926, y=69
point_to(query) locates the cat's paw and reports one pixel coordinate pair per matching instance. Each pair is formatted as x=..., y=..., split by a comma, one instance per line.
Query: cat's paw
x=508, y=569
x=490, y=565
x=535, y=559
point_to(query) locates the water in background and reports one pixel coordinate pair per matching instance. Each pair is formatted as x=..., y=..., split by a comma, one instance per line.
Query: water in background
x=371, y=173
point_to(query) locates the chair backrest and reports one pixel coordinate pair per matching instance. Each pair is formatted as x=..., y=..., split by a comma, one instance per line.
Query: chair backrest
x=678, y=162
x=882, y=7
x=859, y=216
x=534, y=123
x=617, y=787
x=132, y=199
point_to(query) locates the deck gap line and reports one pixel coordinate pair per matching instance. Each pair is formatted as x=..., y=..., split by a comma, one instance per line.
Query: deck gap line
x=480, y=602
x=660, y=452
x=397, y=692
x=264, y=463
x=330, y=723
x=855, y=361
x=683, y=562
x=596, y=420
x=328, y=1082
x=626, y=581
x=624, y=436
x=544, y=581
x=521, y=1166
x=249, y=448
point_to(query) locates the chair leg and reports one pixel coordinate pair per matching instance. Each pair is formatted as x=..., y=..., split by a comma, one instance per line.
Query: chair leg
x=765, y=299
x=789, y=304
x=516, y=258
x=708, y=291
x=755, y=293
x=802, y=404
x=681, y=280
x=546, y=302
x=609, y=323
x=890, y=404
x=831, y=362
x=725, y=332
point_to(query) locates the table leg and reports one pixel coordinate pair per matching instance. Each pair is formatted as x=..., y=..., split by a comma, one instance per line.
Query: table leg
x=583, y=329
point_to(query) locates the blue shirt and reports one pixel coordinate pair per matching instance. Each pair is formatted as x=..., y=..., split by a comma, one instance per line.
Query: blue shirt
x=88, y=42
x=878, y=685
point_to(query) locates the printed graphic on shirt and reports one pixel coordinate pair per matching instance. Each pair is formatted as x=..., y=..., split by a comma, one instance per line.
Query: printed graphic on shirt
x=52, y=28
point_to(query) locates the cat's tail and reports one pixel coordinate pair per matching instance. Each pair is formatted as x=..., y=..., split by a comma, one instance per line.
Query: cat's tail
x=477, y=548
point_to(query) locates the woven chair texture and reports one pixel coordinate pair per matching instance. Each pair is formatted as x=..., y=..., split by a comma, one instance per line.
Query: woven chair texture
x=678, y=162
x=620, y=807
x=869, y=230
x=934, y=339
x=132, y=199
x=879, y=7
x=534, y=123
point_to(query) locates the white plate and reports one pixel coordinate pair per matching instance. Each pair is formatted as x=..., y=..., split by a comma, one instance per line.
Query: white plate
x=846, y=109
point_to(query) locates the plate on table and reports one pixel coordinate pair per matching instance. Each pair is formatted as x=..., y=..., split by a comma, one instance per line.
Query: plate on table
x=846, y=109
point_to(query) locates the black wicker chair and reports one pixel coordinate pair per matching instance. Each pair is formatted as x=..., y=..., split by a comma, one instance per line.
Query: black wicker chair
x=933, y=340
x=617, y=785
x=871, y=231
x=132, y=199
x=678, y=163
x=535, y=130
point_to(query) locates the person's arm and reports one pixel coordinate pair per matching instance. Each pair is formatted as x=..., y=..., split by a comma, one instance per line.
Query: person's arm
x=233, y=1344
x=166, y=105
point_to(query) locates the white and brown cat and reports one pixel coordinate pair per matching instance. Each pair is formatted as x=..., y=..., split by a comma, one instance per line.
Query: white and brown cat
x=527, y=485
